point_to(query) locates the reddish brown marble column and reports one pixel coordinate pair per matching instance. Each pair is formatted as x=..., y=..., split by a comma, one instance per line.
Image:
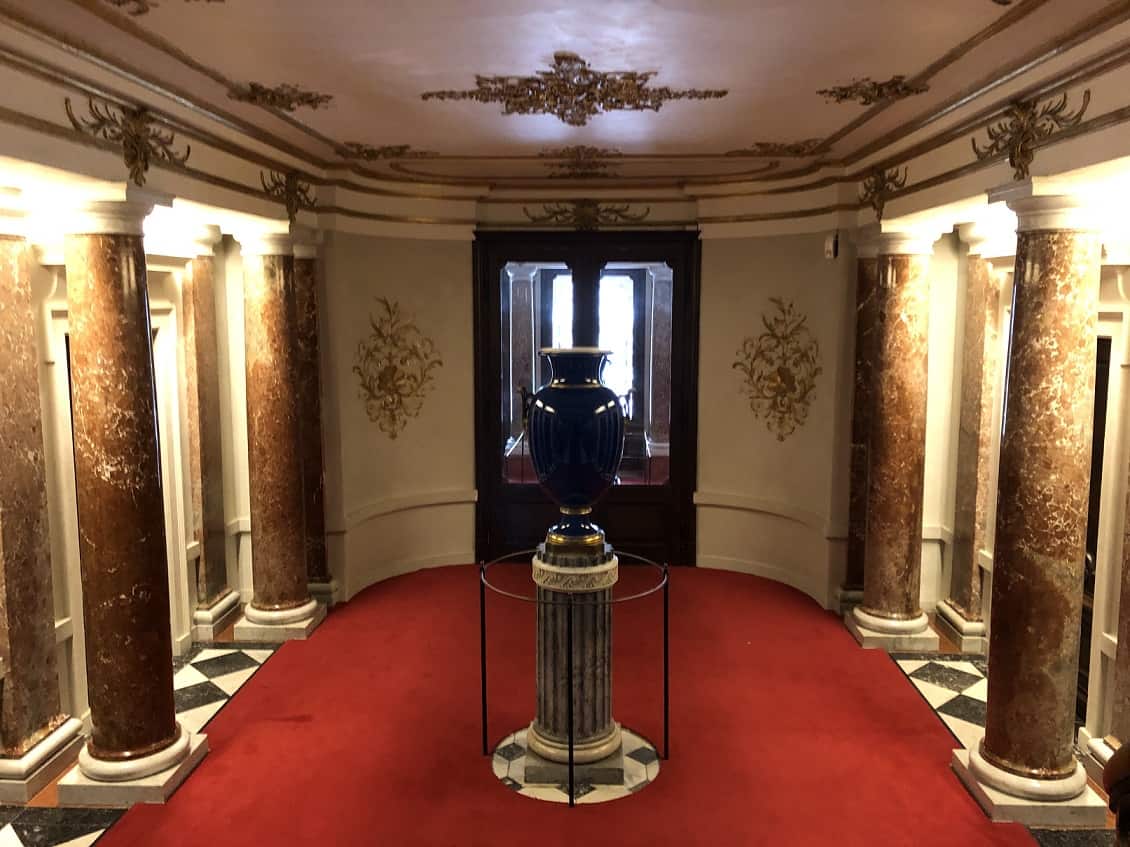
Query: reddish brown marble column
x=1042, y=508
x=867, y=278
x=980, y=372
x=30, y=708
x=125, y=580
x=309, y=398
x=202, y=374
x=897, y=445
x=278, y=536
x=1120, y=715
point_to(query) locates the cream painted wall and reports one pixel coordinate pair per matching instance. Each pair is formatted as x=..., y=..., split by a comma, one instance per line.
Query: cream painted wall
x=395, y=505
x=765, y=506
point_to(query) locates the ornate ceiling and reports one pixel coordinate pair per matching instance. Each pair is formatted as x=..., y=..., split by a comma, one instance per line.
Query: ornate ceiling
x=534, y=93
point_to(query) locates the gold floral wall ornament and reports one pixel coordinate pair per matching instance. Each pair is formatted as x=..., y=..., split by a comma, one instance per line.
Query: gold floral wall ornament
x=586, y=214
x=782, y=149
x=780, y=367
x=868, y=92
x=142, y=7
x=371, y=153
x=581, y=161
x=395, y=366
x=289, y=188
x=1026, y=123
x=286, y=97
x=132, y=128
x=573, y=91
x=879, y=185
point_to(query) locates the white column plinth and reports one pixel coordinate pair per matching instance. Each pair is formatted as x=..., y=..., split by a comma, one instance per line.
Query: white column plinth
x=247, y=629
x=1085, y=809
x=78, y=789
x=208, y=623
x=893, y=642
x=23, y=778
x=968, y=635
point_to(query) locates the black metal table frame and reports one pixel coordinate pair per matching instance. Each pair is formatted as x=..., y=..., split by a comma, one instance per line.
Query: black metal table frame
x=663, y=585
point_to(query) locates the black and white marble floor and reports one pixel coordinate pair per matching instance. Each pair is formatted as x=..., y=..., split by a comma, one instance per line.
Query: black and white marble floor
x=204, y=680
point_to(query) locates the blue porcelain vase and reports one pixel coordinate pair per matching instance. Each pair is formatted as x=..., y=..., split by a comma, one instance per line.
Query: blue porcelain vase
x=576, y=431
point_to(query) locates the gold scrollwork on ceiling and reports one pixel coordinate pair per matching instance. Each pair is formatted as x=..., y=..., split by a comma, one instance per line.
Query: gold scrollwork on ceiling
x=878, y=187
x=132, y=128
x=285, y=97
x=1026, y=124
x=394, y=365
x=779, y=369
x=581, y=161
x=586, y=214
x=782, y=149
x=143, y=7
x=868, y=92
x=573, y=91
x=289, y=189
x=371, y=153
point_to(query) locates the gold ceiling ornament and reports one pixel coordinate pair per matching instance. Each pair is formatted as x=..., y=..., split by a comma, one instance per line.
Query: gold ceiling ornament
x=142, y=7
x=573, y=91
x=371, y=153
x=289, y=188
x=586, y=214
x=780, y=367
x=581, y=161
x=869, y=92
x=394, y=365
x=782, y=149
x=285, y=97
x=1026, y=123
x=132, y=128
x=879, y=185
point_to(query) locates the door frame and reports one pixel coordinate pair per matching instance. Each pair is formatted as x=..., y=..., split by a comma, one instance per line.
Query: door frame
x=681, y=250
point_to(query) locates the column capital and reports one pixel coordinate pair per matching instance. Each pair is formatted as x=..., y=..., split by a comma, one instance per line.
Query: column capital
x=905, y=243
x=866, y=240
x=986, y=242
x=111, y=217
x=1044, y=204
x=305, y=241
x=205, y=241
x=268, y=244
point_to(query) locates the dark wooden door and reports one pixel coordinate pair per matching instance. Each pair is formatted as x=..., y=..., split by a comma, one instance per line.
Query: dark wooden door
x=634, y=292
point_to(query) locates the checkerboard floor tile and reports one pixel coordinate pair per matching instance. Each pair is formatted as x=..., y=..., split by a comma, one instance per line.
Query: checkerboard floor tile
x=641, y=767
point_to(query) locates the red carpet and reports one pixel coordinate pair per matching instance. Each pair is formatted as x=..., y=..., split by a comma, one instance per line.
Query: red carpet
x=783, y=732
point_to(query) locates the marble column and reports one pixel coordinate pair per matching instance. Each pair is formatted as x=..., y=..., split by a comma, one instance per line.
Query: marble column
x=867, y=278
x=281, y=606
x=960, y=612
x=33, y=730
x=125, y=580
x=202, y=375
x=309, y=399
x=890, y=615
x=1042, y=507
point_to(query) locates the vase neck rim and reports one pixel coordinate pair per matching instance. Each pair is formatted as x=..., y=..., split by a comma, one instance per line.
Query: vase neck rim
x=574, y=351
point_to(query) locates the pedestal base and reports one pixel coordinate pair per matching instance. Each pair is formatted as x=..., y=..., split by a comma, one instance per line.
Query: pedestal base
x=246, y=630
x=1085, y=810
x=969, y=636
x=892, y=642
x=606, y=771
x=23, y=778
x=325, y=593
x=77, y=789
x=210, y=622
x=848, y=598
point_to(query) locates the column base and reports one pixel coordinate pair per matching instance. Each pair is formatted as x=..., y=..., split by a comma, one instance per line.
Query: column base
x=325, y=593
x=1096, y=753
x=848, y=598
x=1086, y=809
x=606, y=771
x=893, y=642
x=969, y=636
x=23, y=778
x=210, y=622
x=276, y=633
x=78, y=789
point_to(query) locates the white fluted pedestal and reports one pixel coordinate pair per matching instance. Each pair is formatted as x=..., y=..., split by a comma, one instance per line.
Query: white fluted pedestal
x=149, y=779
x=998, y=791
x=891, y=634
x=276, y=627
x=23, y=778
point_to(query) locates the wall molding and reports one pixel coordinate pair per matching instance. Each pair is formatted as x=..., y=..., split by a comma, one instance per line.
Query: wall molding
x=238, y=525
x=762, y=506
x=810, y=584
x=366, y=512
x=398, y=567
